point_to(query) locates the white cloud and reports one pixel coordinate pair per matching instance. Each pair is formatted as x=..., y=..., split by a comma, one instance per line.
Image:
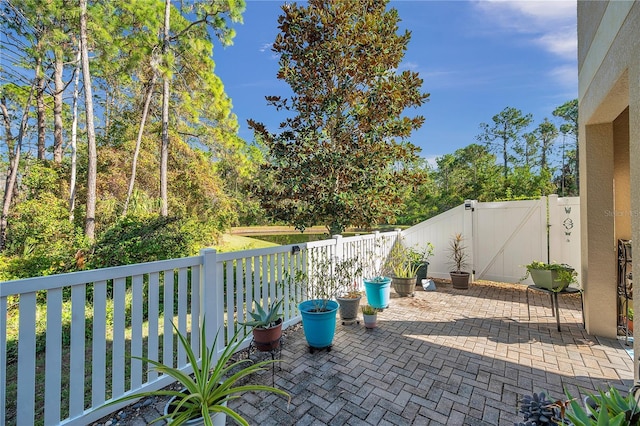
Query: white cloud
x=550, y=23
x=562, y=43
x=412, y=66
x=266, y=47
x=543, y=12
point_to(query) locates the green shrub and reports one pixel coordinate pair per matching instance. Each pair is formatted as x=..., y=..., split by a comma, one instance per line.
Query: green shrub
x=40, y=239
x=145, y=239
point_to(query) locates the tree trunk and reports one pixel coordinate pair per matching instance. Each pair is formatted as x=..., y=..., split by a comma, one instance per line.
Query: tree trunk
x=136, y=153
x=74, y=141
x=14, y=162
x=164, y=151
x=57, y=107
x=90, y=221
x=505, y=160
x=41, y=109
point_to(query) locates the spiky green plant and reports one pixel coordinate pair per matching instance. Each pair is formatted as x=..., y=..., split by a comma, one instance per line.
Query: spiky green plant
x=265, y=318
x=605, y=409
x=210, y=386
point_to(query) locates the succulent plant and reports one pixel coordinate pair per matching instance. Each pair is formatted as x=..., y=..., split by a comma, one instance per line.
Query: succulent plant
x=265, y=318
x=537, y=410
x=605, y=408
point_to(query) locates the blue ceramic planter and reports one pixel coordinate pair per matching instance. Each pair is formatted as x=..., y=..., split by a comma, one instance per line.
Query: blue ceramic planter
x=319, y=327
x=378, y=292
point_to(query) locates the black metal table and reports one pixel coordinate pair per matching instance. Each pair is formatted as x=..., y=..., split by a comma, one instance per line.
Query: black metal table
x=553, y=295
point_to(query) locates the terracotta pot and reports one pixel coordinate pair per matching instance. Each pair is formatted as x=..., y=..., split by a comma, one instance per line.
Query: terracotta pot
x=268, y=339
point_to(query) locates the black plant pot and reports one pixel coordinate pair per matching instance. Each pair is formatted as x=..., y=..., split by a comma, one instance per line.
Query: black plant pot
x=422, y=273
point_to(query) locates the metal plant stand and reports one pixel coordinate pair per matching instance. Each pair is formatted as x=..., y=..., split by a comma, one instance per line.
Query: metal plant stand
x=276, y=353
x=555, y=307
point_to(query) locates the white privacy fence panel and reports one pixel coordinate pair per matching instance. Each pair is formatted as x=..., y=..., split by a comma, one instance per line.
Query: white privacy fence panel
x=502, y=237
x=78, y=332
x=438, y=230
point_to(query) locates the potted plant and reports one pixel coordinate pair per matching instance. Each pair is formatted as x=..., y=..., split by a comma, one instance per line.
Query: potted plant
x=267, y=326
x=424, y=256
x=370, y=316
x=458, y=257
x=551, y=276
x=205, y=393
x=403, y=264
x=319, y=310
x=630, y=320
x=377, y=287
x=349, y=294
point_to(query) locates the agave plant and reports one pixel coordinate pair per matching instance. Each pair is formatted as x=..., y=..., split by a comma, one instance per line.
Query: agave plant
x=265, y=318
x=211, y=385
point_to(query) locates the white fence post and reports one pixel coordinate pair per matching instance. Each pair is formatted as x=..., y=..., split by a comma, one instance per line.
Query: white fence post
x=468, y=233
x=553, y=230
x=339, y=250
x=544, y=218
x=208, y=299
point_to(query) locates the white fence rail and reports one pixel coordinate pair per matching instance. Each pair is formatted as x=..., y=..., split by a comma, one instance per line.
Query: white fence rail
x=502, y=237
x=77, y=333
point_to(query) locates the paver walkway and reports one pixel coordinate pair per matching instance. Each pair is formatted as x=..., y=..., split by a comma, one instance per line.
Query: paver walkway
x=449, y=357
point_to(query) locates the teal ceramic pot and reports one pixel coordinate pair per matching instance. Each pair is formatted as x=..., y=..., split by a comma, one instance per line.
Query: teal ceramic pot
x=319, y=327
x=378, y=292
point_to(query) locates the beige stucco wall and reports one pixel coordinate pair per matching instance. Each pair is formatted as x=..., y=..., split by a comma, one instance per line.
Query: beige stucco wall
x=590, y=14
x=609, y=138
x=621, y=177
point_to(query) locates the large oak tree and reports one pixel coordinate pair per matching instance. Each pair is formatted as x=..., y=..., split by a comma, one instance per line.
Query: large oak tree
x=340, y=157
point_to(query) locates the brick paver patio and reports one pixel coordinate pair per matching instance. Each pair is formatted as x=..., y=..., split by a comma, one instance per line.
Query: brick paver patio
x=449, y=357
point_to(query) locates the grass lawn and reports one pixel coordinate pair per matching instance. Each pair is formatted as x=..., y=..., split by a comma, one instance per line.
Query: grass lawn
x=237, y=242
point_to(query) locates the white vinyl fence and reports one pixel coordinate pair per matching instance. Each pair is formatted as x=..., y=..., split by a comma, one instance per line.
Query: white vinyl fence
x=502, y=237
x=77, y=332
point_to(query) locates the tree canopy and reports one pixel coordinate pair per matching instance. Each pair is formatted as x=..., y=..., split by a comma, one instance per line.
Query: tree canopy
x=89, y=157
x=341, y=156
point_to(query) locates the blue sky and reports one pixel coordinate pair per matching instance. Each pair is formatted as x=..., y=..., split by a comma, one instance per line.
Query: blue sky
x=475, y=57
